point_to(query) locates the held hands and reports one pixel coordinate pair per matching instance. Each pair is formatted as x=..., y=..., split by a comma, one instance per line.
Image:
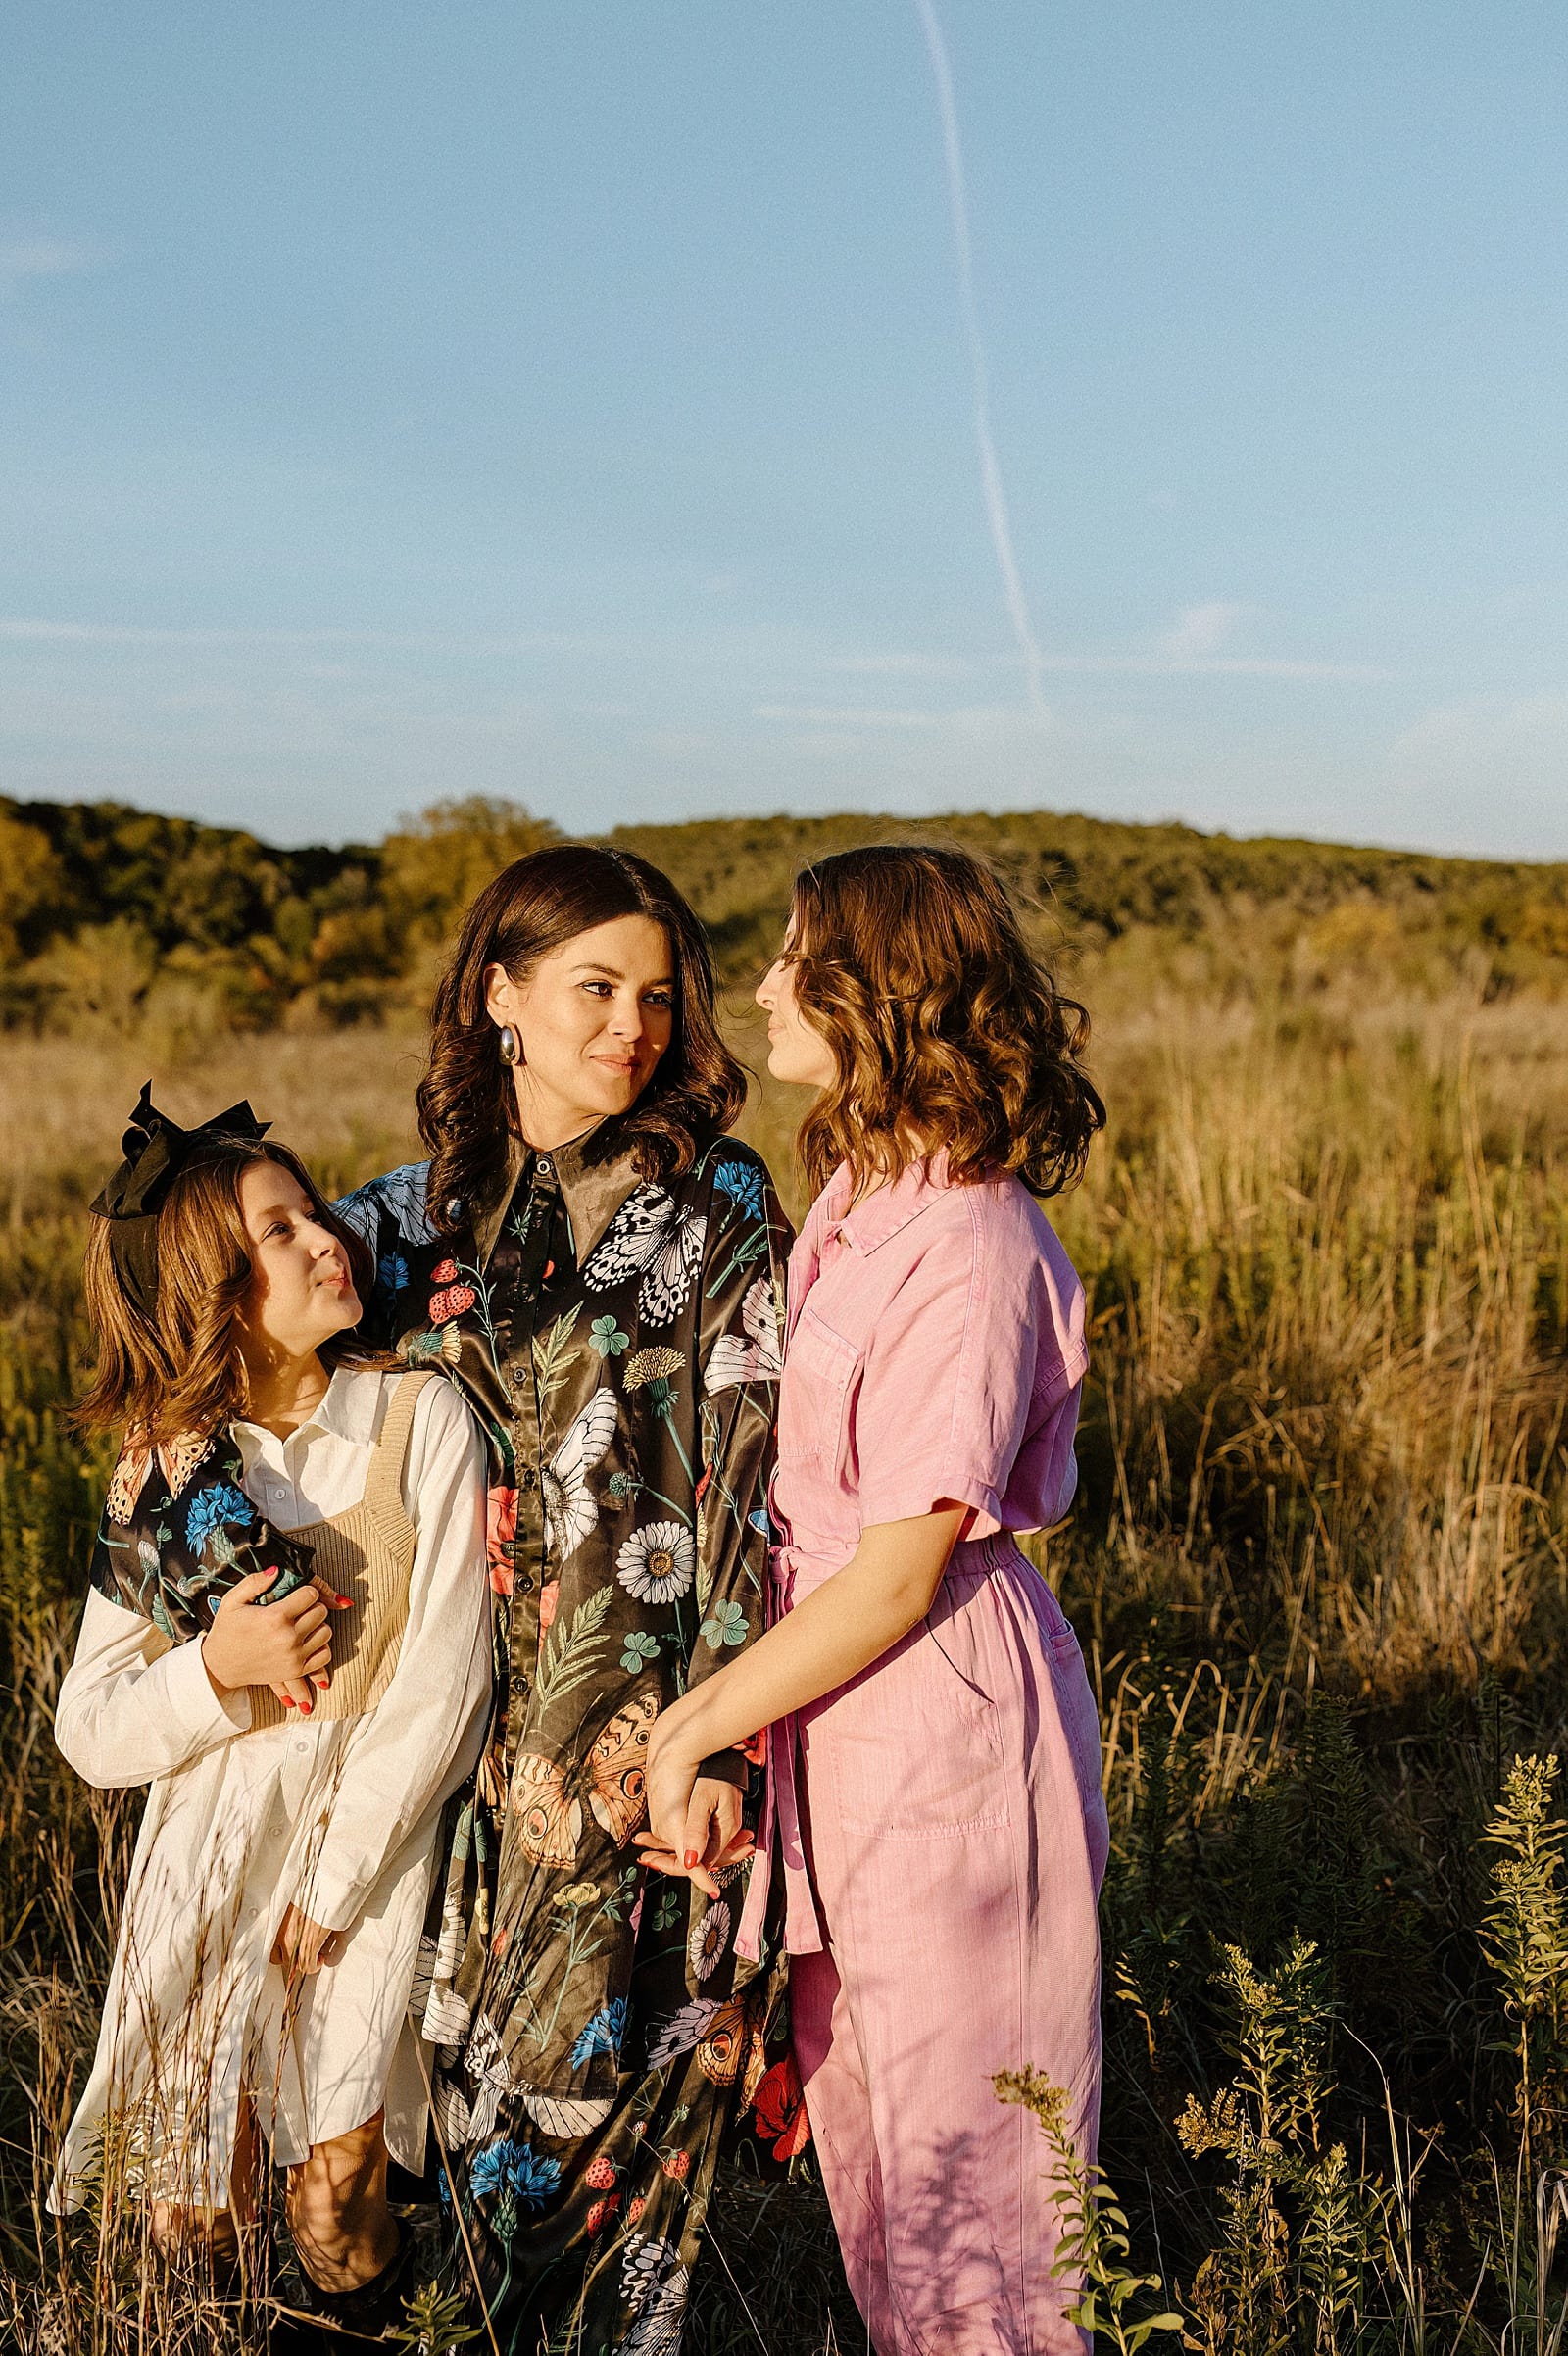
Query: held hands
x=694, y=1821
x=286, y=1646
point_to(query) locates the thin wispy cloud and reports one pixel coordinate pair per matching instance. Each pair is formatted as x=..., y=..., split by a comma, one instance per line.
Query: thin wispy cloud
x=1173, y=659
x=1201, y=630
x=969, y=719
x=996, y=498
x=22, y=260
x=850, y=716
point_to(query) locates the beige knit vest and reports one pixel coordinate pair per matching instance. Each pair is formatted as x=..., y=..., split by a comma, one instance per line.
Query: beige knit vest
x=367, y=1553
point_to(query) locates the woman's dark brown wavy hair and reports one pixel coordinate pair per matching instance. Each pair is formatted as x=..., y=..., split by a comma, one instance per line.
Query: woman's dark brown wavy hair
x=467, y=1107
x=180, y=1370
x=946, y=1028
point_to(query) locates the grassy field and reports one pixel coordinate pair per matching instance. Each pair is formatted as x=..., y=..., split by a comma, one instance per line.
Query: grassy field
x=1318, y=1563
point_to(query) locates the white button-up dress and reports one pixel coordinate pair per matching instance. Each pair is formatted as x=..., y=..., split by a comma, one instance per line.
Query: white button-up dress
x=339, y=1815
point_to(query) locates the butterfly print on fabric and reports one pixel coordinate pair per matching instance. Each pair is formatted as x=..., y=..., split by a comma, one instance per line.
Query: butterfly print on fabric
x=549, y=1799
x=652, y=1237
x=177, y=1460
x=759, y=1358
x=400, y=1194
x=570, y=1510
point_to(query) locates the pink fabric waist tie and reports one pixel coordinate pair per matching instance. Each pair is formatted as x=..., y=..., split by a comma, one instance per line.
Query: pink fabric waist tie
x=780, y=1827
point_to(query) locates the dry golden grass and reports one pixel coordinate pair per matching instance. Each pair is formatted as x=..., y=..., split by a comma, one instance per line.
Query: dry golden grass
x=1326, y=1243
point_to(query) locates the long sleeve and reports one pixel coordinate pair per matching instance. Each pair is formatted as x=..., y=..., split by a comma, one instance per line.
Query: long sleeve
x=740, y=1345
x=425, y=1734
x=133, y=1706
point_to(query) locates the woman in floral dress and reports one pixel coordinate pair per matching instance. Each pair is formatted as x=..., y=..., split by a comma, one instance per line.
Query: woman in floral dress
x=600, y=1266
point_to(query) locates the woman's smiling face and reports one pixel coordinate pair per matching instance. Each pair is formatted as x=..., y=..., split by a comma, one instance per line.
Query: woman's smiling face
x=592, y=1020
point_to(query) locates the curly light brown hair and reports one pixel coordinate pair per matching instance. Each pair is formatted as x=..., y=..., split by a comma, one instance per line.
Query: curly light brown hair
x=179, y=1370
x=946, y=1028
x=466, y=1102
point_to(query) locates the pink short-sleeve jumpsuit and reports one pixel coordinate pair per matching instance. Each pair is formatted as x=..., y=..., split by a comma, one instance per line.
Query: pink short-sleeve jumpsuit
x=938, y=1821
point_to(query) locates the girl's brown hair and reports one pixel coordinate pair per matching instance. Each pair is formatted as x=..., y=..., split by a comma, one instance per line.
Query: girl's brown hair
x=467, y=1107
x=946, y=1028
x=179, y=1370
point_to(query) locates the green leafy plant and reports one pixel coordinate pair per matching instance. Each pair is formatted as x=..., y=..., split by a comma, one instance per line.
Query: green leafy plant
x=1095, y=2241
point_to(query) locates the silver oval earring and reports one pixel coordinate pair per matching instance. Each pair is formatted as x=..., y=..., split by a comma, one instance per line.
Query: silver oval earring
x=511, y=1045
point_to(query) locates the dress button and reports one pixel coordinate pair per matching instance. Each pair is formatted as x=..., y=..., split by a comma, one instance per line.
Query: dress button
x=544, y=1165
x=301, y=1743
x=518, y=1374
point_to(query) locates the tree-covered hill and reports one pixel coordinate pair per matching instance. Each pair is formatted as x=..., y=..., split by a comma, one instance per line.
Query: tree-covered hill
x=112, y=913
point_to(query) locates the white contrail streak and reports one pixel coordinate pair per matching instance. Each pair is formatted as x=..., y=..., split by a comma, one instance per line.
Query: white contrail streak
x=990, y=472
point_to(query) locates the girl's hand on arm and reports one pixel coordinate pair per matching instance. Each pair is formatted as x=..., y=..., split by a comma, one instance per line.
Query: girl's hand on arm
x=286, y=1646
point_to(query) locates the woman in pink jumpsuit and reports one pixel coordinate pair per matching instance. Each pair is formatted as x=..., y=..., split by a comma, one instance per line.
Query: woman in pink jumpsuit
x=934, y=1804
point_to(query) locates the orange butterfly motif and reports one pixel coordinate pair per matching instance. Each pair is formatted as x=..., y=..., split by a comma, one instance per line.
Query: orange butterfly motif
x=176, y=1459
x=549, y=1797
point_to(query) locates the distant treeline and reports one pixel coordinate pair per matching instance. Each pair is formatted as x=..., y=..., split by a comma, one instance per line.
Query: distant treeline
x=119, y=916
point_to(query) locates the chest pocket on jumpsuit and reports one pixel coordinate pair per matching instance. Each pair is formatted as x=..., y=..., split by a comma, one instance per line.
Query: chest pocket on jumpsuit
x=818, y=1367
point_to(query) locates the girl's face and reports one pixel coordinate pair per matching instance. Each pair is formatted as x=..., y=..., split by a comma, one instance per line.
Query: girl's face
x=796, y=1050
x=301, y=1292
x=591, y=1019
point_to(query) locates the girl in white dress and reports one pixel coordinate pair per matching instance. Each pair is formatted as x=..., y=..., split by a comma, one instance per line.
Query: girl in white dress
x=299, y=1749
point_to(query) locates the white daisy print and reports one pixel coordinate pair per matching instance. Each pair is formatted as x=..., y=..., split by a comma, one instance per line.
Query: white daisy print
x=658, y=1564
x=706, y=1942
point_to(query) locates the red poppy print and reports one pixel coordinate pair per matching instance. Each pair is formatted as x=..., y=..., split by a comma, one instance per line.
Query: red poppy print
x=501, y=1531
x=451, y=1303
x=781, y=2110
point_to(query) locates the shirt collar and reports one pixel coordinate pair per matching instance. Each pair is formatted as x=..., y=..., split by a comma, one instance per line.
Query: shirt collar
x=592, y=1188
x=876, y=1218
x=347, y=1408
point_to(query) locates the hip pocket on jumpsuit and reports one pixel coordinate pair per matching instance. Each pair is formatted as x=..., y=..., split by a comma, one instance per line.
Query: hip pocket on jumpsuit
x=914, y=1744
x=1079, y=1714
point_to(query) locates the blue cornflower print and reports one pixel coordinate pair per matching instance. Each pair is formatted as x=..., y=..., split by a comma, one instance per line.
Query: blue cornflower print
x=742, y=1181
x=602, y=2033
x=392, y=1272
x=515, y=2168
x=221, y=1501
x=535, y=2177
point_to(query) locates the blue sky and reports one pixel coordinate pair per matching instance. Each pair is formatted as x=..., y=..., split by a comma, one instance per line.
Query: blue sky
x=578, y=404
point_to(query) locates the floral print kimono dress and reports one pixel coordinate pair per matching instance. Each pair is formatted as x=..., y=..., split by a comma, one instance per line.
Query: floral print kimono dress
x=619, y=1340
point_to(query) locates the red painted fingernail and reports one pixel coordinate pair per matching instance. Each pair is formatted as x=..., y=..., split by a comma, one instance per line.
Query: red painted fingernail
x=320, y=1683
x=344, y=1602
x=305, y=1709
x=691, y=1858
x=288, y=1701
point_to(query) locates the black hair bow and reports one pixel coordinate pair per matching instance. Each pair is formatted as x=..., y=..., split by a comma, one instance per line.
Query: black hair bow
x=156, y=1150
